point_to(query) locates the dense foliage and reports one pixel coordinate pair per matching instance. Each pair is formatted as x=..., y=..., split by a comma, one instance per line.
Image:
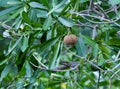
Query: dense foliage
x=33, y=54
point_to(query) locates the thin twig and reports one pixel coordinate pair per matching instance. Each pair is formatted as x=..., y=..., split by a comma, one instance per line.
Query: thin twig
x=102, y=19
x=100, y=8
x=110, y=85
x=94, y=32
x=115, y=73
x=115, y=67
x=58, y=69
x=116, y=58
x=82, y=58
x=90, y=6
x=98, y=79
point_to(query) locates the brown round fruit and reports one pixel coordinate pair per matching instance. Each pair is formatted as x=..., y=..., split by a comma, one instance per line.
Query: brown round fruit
x=70, y=39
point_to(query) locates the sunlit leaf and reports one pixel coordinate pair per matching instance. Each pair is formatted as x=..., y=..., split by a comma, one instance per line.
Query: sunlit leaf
x=46, y=45
x=114, y=2
x=95, y=50
x=65, y=21
x=89, y=41
x=56, y=7
x=101, y=60
x=5, y=71
x=114, y=41
x=37, y=5
x=28, y=69
x=45, y=2
x=26, y=18
x=41, y=13
x=8, y=3
x=14, y=46
x=105, y=49
x=48, y=22
x=80, y=46
x=54, y=56
x=24, y=43
x=6, y=11
x=83, y=1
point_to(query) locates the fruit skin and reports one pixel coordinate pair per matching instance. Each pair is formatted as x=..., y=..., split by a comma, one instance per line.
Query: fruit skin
x=70, y=39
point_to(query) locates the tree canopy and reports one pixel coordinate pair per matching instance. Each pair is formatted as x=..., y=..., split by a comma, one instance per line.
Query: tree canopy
x=59, y=44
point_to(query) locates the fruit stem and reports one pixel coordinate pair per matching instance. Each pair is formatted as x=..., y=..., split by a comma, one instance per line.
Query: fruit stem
x=68, y=31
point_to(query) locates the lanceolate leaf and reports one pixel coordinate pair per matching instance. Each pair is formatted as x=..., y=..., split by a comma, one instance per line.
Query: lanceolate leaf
x=14, y=46
x=56, y=7
x=114, y=2
x=63, y=11
x=54, y=56
x=80, y=46
x=8, y=3
x=41, y=13
x=48, y=22
x=46, y=3
x=89, y=41
x=83, y=1
x=89, y=77
x=5, y=71
x=65, y=21
x=105, y=49
x=101, y=60
x=95, y=50
x=28, y=69
x=114, y=41
x=24, y=44
x=6, y=11
x=26, y=18
x=46, y=45
x=37, y=5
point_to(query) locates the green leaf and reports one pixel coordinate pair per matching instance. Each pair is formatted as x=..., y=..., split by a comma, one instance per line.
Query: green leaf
x=55, y=55
x=1, y=37
x=39, y=58
x=89, y=41
x=7, y=3
x=95, y=50
x=33, y=15
x=80, y=46
x=37, y=5
x=56, y=7
x=65, y=8
x=14, y=46
x=6, y=11
x=41, y=85
x=5, y=71
x=28, y=69
x=48, y=22
x=45, y=2
x=83, y=1
x=65, y=21
x=91, y=78
x=114, y=2
x=24, y=44
x=101, y=60
x=3, y=62
x=106, y=56
x=114, y=41
x=14, y=70
x=26, y=18
x=105, y=49
x=17, y=22
x=41, y=13
x=46, y=45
